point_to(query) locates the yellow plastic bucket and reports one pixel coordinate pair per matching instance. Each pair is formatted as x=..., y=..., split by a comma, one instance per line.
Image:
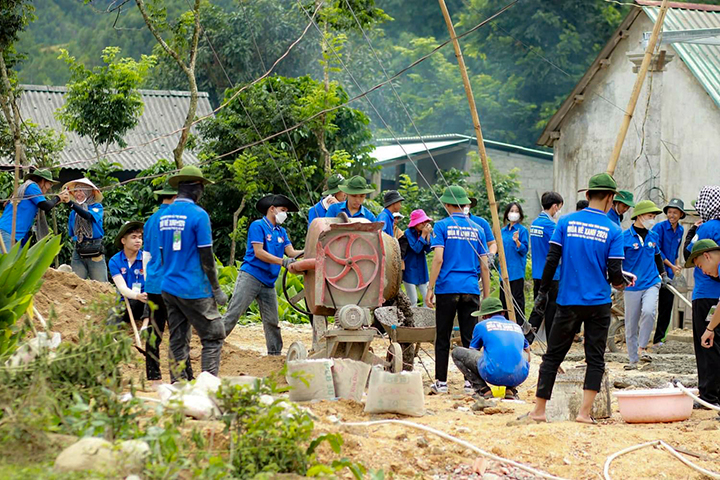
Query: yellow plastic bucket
x=498, y=392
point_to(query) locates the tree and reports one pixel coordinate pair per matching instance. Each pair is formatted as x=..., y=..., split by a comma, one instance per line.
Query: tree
x=104, y=103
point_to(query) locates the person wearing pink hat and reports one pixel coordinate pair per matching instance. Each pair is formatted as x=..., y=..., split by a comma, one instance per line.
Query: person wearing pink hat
x=419, y=236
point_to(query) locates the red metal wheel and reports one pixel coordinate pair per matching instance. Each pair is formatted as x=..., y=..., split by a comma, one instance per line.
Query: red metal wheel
x=350, y=262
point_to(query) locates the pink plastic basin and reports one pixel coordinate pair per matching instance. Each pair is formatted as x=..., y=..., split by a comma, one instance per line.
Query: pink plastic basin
x=654, y=405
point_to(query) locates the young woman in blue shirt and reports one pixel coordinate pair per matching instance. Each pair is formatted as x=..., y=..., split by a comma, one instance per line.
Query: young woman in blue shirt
x=419, y=237
x=516, y=240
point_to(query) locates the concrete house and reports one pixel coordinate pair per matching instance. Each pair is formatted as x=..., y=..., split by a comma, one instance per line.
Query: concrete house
x=449, y=151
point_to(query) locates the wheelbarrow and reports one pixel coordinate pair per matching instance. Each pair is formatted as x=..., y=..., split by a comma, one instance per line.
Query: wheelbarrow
x=406, y=340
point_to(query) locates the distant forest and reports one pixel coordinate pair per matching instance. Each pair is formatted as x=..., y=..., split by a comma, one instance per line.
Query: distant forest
x=522, y=64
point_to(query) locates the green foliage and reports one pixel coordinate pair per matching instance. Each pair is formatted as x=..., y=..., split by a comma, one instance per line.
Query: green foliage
x=15, y=15
x=42, y=145
x=103, y=104
x=21, y=271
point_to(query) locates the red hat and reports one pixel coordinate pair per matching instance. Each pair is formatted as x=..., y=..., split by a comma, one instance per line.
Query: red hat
x=417, y=217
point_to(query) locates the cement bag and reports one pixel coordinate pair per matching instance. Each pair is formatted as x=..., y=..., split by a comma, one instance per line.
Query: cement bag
x=395, y=393
x=310, y=380
x=350, y=378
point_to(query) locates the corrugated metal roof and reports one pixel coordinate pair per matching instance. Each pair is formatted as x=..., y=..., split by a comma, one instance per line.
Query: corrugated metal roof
x=164, y=112
x=388, y=153
x=702, y=60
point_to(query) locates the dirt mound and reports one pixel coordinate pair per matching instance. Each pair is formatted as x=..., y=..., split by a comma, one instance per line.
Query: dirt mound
x=67, y=300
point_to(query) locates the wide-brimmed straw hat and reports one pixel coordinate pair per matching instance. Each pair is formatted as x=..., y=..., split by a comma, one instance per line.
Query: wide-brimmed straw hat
x=84, y=182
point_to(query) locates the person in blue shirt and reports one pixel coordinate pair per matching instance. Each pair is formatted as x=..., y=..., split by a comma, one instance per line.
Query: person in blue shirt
x=268, y=249
x=190, y=288
x=85, y=225
x=32, y=200
x=705, y=255
x=642, y=259
x=705, y=293
x=581, y=205
x=590, y=246
x=356, y=189
x=127, y=271
x=332, y=195
x=392, y=202
x=623, y=202
x=541, y=232
x=670, y=235
x=498, y=354
x=516, y=240
x=459, y=257
x=418, y=237
x=487, y=230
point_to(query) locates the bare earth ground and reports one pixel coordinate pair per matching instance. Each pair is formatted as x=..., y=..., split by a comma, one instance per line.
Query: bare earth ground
x=565, y=449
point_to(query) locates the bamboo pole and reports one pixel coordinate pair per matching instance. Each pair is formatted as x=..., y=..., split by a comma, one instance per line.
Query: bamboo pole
x=16, y=183
x=484, y=159
x=642, y=73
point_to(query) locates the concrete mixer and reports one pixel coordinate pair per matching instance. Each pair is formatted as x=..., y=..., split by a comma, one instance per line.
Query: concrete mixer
x=350, y=267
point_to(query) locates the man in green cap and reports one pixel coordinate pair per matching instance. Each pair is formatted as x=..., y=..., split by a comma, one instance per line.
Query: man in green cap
x=706, y=256
x=332, y=195
x=460, y=255
x=126, y=270
x=190, y=287
x=590, y=246
x=621, y=204
x=499, y=354
x=32, y=198
x=357, y=190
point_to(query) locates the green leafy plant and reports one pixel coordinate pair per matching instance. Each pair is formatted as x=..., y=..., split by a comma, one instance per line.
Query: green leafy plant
x=21, y=271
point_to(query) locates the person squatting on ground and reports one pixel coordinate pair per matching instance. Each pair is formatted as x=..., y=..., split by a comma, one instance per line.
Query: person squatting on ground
x=85, y=225
x=623, y=202
x=705, y=293
x=127, y=271
x=498, y=355
x=190, y=287
x=419, y=237
x=670, y=234
x=541, y=232
x=356, y=189
x=460, y=255
x=516, y=241
x=332, y=195
x=268, y=248
x=392, y=203
x=644, y=260
x=32, y=204
x=590, y=246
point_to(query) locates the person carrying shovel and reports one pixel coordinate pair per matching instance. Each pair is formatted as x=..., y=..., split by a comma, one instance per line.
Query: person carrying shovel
x=127, y=272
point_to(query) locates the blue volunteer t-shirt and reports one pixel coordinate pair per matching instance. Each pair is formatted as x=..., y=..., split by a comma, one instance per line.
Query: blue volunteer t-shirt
x=96, y=210
x=274, y=239
x=184, y=227
x=502, y=363
x=416, y=270
x=151, y=244
x=516, y=257
x=336, y=208
x=588, y=239
x=316, y=211
x=640, y=258
x=669, y=241
x=133, y=274
x=541, y=232
x=613, y=215
x=487, y=229
x=386, y=217
x=463, y=241
x=706, y=286
x=27, y=210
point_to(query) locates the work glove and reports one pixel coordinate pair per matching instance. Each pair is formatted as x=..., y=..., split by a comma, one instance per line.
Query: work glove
x=541, y=303
x=287, y=261
x=666, y=280
x=220, y=297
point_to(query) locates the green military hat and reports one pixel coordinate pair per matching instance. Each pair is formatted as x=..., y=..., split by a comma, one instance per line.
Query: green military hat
x=356, y=185
x=678, y=204
x=334, y=183
x=43, y=174
x=626, y=197
x=602, y=182
x=127, y=226
x=166, y=191
x=643, y=207
x=700, y=247
x=455, y=195
x=190, y=174
x=489, y=306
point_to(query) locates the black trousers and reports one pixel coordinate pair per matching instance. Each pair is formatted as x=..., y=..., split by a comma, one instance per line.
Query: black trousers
x=567, y=321
x=666, y=299
x=158, y=320
x=550, y=309
x=446, y=306
x=517, y=289
x=707, y=359
x=136, y=306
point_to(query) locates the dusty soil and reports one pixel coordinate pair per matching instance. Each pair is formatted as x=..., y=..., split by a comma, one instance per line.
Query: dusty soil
x=565, y=449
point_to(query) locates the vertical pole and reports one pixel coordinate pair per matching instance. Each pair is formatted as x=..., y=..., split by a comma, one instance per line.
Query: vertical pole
x=483, y=157
x=16, y=183
x=642, y=73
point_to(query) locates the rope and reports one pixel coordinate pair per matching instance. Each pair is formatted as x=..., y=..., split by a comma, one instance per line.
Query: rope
x=695, y=397
x=671, y=450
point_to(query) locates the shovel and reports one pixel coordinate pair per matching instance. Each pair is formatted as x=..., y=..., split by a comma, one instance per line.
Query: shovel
x=138, y=343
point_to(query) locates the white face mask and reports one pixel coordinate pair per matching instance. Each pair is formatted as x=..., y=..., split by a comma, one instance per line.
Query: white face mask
x=648, y=223
x=466, y=210
x=280, y=217
x=513, y=216
x=557, y=214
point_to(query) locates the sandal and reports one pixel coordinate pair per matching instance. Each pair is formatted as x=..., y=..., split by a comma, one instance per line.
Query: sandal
x=511, y=394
